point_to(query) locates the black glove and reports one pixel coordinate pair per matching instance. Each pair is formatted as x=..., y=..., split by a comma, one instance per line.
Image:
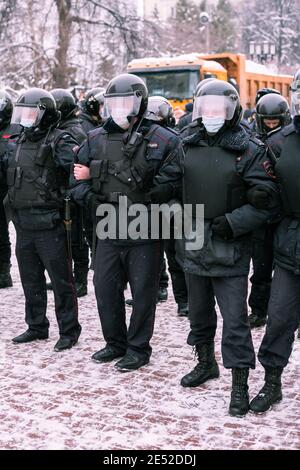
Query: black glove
x=220, y=226
x=161, y=193
x=258, y=197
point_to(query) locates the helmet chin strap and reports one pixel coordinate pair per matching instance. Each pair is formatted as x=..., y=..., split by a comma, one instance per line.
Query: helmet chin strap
x=128, y=133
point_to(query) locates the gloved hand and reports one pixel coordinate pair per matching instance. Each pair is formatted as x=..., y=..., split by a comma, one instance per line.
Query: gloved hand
x=258, y=196
x=220, y=226
x=161, y=193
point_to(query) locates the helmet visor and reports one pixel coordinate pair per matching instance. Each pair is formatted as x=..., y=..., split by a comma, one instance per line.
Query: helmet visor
x=26, y=116
x=158, y=110
x=123, y=106
x=3, y=101
x=214, y=106
x=295, y=102
x=103, y=113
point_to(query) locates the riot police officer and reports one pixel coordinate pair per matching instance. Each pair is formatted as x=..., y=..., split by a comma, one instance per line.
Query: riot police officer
x=37, y=164
x=90, y=109
x=186, y=119
x=123, y=157
x=69, y=122
x=160, y=111
x=259, y=94
x=6, y=130
x=221, y=162
x=284, y=304
x=272, y=115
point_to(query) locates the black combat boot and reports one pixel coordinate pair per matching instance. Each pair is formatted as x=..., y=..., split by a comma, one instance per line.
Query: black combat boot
x=64, y=343
x=81, y=282
x=5, y=277
x=183, y=309
x=162, y=295
x=270, y=393
x=28, y=336
x=108, y=354
x=239, y=403
x=256, y=320
x=206, y=369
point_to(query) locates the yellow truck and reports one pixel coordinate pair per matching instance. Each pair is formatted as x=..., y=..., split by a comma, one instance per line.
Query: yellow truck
x=176, y=78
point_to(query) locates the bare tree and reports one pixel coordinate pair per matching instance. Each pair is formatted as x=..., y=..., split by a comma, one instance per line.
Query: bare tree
x=61, y=41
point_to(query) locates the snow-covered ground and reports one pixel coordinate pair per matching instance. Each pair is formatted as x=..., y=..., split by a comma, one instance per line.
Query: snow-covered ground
x=66, y=401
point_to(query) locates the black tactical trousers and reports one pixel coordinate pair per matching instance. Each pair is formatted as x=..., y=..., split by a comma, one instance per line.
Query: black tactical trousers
x=140, y=265
x=178, y=276
x=80, y=248
x=5, y=250
x=36, y=252
x=231, y=295
x=283, y=319
x=262, y=259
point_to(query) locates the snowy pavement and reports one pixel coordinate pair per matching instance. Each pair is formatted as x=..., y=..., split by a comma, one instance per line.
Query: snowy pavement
x=66, y=401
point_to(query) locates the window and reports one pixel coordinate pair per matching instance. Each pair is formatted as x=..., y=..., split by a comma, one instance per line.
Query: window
x=173, y=85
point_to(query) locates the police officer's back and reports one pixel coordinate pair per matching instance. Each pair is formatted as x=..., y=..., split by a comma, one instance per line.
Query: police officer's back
x=161, y=112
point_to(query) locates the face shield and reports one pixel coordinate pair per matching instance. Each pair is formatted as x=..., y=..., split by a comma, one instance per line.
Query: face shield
x=3, y=102
x=158, y=110
x=214, y=107
x=103, y=113
x=295, y=98
x=27, y=116
x=121, y=108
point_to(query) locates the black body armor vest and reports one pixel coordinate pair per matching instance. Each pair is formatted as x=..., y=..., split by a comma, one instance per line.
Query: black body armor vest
x=211, y=178
x=33, y=178
x=121, y=169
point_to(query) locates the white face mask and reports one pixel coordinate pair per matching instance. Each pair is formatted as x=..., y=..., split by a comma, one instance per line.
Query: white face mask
x=120, y=120
x=213, y=124
x=121, y=107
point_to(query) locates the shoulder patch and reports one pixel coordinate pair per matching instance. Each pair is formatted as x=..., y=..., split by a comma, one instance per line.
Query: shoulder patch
x=153, y=145
x=268, y=167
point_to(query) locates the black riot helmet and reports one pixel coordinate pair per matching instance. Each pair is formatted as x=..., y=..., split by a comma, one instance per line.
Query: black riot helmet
x=36, y=108
x=263, y=92
x=295, y=94
x=160, y=110
x=201, y=83
x=65, y=103
x=272, y=107
x=6, y=108
x=126, y=97
x=218, y=97
x=92, y=102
